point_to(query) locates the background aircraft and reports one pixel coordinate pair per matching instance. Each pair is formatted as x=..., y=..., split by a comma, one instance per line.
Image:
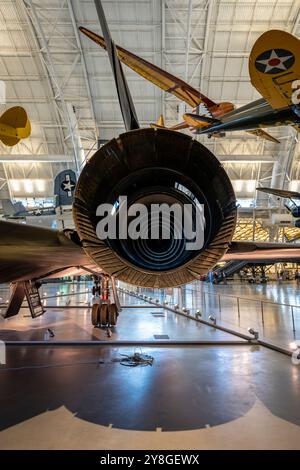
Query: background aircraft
x=17, y=210
x=165, y=80
x=274, y=82
x=274, y=68
x=14, y=126
x=292, y=206
x=64, y=188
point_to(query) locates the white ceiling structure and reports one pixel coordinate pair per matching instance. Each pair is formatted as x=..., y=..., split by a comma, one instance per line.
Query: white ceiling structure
x=64, y=81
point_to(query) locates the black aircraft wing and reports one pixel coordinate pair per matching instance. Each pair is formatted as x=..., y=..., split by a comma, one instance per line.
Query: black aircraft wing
x=31, y=253
x=28, y=252
x=256, y=252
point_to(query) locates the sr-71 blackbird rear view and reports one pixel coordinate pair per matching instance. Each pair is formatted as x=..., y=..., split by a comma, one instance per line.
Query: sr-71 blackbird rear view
x=150, y=166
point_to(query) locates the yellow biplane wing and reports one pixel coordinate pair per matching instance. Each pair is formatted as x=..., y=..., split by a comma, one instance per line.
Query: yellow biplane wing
x=156, y=75
x=14, y=126
x=274, y=66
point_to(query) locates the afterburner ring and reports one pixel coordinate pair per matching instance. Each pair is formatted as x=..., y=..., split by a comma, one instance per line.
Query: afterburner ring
x=135, y=165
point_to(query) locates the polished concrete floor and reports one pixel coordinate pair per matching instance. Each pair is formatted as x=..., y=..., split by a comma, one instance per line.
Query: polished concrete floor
x=233, y=396
x=273, y=309
x=135, y=323
x=193, y=397
x=236, y=306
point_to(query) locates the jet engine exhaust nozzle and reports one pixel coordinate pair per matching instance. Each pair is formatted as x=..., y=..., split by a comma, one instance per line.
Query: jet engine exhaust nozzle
x=155, y=168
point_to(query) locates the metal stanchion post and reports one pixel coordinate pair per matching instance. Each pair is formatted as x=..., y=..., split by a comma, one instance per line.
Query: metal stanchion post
x=262, y=312
x=293, y=319
x=180, y=297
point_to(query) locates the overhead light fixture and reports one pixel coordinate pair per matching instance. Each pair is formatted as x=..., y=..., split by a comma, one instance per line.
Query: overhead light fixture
x=28, y=186
x=294, y=185
x=238, y=185
x=40, y=185
x=246, y=186
x=15, y=185
x=250, y=186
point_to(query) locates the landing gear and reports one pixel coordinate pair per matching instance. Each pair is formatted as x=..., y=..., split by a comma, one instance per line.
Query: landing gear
x=104, y=312
x=108, y=332
x=103, y=308
x=96, y=289
x=113, y=314
x=95, y=314
x=104, y=315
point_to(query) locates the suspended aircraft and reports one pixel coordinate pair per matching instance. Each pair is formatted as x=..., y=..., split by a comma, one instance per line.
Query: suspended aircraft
x=17, y=210
x=14, y=126
x=293, y=203
x=273, y=70
x=64, y=187
x=149, y=166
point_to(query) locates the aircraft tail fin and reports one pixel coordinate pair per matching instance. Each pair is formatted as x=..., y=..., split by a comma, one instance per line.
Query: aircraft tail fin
x=8, y=207
x=160, y=121
x=64, y=187
x=127, y=107
x=160, y=124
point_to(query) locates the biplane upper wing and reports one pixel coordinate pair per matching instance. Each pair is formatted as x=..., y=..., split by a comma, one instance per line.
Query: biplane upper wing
x=154, y=74
x=274, y=66
x=14, y=126
x=28, y=252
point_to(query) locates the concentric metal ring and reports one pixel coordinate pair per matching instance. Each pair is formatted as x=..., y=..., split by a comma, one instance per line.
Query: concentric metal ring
x=135, y=165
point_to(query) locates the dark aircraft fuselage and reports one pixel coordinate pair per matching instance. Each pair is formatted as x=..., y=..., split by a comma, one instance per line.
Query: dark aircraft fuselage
x=271, y=118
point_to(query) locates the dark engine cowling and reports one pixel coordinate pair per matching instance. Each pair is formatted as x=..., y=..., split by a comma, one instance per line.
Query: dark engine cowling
x=295, y=212
x=155, y=166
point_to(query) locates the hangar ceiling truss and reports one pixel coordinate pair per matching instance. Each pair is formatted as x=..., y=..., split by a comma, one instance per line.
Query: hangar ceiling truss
x=64, y=80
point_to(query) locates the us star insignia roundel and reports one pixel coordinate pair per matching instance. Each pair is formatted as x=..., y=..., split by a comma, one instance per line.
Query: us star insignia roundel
x=274, y=61
x=68, y=185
